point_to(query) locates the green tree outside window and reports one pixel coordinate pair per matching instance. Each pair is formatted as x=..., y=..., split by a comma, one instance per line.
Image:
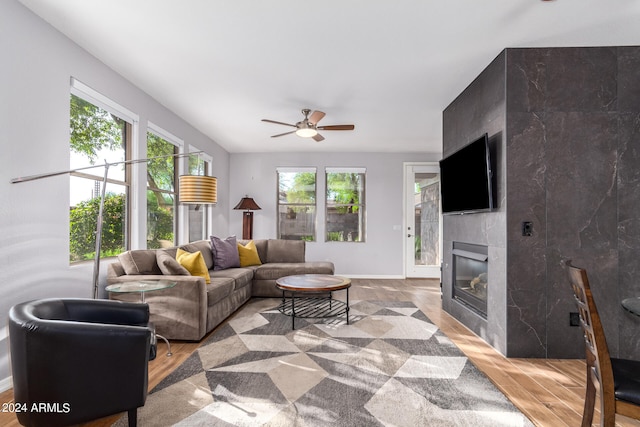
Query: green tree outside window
x=161, y=194
x=296, y=205
x=344, y=219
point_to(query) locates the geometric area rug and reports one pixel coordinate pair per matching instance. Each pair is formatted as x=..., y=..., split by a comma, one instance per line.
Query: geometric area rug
x=389, y=367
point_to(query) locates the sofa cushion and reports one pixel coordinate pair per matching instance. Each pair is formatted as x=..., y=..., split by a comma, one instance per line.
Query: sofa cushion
x=273, y=271
x=241, y=276
x=285, y=250
x=203, y=246
x=219, y=289
x=140, y=261
x=248, y=254
x=225, y=253
x=169, y=265
x=194, y=263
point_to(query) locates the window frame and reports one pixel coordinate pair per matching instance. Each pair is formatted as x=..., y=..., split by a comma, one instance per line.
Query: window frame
x=130, y=119
x=314, y=205
x=205, y=210
x=362, y=210
x=178, y=145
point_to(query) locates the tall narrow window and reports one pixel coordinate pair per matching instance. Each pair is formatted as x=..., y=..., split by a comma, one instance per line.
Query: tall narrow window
x=161, y=192
x=97, y=135
x=297, y=204
x=198, y=214
x=345, y=216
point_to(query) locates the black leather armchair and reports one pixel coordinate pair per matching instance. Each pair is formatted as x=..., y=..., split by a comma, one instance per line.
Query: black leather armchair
x=75, y=360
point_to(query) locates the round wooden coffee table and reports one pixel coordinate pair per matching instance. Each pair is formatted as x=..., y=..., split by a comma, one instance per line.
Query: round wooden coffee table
x=306, y=299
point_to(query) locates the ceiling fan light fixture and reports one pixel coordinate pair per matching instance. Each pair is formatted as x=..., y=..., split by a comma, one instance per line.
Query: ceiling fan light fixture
x=306, y=132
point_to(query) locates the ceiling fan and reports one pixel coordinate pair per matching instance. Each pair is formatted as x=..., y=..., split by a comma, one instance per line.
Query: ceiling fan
x=308, y=127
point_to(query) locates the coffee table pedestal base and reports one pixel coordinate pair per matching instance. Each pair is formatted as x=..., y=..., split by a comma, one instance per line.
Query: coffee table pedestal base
x=313, y=307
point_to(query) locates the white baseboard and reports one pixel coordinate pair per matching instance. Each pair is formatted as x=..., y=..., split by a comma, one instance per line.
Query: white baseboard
x=6, y=384
x=368, y=276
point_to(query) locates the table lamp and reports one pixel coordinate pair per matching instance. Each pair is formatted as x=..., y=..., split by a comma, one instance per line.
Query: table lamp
x=247, y=204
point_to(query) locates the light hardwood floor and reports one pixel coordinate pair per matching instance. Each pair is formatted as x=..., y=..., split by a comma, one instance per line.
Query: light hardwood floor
x=549, y=391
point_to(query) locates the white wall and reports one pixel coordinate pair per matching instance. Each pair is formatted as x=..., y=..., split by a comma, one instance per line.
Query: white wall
x=381, y=255
x=37, y=64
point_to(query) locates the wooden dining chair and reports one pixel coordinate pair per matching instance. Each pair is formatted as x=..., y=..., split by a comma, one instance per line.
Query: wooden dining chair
x=618, y=380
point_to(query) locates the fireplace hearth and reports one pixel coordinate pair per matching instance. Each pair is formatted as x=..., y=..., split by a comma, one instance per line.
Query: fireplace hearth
x=470, y=279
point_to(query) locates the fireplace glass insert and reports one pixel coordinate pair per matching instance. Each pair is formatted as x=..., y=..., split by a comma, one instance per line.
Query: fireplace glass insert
x=470, y=279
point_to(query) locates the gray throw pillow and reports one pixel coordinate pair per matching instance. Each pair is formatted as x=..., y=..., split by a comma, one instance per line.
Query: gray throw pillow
x=169, y=266
x=225, y=253
x=139, y=261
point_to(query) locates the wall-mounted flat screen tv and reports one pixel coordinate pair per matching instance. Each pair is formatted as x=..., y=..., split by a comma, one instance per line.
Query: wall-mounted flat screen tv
x=466, y=179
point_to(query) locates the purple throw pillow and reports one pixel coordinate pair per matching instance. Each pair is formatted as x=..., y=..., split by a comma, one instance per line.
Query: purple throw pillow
x=225, y=253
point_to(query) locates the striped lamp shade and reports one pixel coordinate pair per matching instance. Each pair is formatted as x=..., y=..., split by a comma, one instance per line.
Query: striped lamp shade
x=198, y=189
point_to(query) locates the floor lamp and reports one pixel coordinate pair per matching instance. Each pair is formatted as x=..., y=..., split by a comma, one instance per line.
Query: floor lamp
x=247, y=204
x=200, y=189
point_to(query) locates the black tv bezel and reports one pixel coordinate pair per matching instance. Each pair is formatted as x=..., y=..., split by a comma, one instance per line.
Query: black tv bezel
x=484, y=139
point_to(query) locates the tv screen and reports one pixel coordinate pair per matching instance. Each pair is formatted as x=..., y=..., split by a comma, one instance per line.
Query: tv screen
x=466, y=179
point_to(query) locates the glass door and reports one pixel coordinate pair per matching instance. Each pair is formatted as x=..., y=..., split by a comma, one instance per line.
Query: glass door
x=423, y=225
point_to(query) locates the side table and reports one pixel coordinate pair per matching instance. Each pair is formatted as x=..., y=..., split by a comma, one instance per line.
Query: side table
x=144, y=286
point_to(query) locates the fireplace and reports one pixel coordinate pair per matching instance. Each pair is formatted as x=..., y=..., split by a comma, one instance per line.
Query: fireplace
x=470, y=279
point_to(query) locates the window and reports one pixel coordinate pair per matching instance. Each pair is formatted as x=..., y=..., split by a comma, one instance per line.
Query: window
x=297, y=204
x=161, y=192
x=97, y=135
x=198, y=214
x=345, y=215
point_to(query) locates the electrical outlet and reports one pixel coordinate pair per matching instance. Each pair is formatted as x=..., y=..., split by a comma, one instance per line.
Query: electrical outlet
x=574, y=319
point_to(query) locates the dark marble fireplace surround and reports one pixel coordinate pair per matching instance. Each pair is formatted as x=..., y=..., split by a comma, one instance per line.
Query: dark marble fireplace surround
x=564, y=130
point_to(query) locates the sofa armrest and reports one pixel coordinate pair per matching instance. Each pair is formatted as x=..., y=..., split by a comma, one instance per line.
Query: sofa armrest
x=179, y=312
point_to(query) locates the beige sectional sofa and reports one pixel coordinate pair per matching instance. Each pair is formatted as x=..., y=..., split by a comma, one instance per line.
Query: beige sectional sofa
x=193, y=308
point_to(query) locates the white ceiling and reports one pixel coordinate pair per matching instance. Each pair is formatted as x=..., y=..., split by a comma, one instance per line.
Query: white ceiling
x=389, y=67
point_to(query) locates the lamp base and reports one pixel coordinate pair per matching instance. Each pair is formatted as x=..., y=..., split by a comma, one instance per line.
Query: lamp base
x=247, y=225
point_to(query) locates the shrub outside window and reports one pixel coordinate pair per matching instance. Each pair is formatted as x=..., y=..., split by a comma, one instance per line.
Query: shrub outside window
x=297, y=204
x=345, y=205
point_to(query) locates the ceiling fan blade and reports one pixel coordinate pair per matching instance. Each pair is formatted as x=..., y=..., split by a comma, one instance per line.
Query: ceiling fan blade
x=318, y=137
x=283, y=134
x=316, y=116
x=336, y=127
x=278, y=123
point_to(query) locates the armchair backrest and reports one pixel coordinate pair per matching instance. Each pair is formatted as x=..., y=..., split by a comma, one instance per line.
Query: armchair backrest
x=81, y=310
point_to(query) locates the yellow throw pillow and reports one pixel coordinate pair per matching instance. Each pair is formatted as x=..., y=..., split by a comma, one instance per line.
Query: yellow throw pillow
x=194, y=263
x=248, y=254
